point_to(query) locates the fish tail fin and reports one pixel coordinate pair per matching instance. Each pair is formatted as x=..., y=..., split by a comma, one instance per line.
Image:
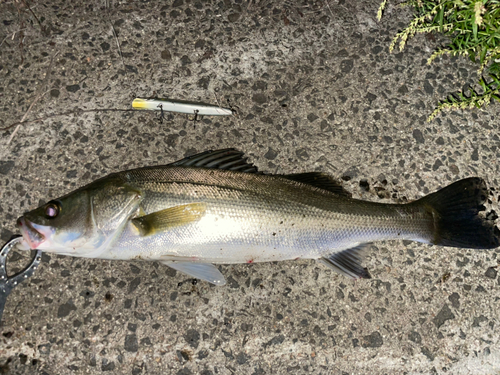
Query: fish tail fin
x=455, y=210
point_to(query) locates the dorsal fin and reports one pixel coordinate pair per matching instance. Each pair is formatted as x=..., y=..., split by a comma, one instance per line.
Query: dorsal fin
x=319, y=180
x=229, y=159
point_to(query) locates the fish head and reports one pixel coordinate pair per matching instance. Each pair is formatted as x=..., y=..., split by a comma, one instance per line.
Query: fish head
x=83, y=223
x=59, y=226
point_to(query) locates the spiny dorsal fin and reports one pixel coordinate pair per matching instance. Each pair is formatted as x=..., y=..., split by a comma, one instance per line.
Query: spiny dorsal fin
x=348, y=262
x=319, y=180
x=229, y=159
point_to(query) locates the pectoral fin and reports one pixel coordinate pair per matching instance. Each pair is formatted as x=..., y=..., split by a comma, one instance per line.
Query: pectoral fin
x=348, y=262
x=169, y=218
x=203, y=271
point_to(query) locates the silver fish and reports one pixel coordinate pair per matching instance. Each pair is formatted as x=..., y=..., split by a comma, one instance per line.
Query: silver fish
x=216, y=208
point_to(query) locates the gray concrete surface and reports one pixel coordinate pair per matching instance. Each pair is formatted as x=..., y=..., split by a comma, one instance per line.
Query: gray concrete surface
x=316, y=90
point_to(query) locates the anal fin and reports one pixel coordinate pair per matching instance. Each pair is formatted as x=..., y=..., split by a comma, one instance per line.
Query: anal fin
x=348, y=262
x=203, y=271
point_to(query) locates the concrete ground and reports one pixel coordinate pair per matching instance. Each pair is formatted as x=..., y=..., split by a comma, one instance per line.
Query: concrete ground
x=316, y=90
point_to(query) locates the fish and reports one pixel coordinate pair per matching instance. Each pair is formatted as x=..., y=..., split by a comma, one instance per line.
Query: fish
x=215, y=207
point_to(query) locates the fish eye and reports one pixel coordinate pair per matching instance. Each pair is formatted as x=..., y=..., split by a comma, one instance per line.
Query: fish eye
x=52, y=209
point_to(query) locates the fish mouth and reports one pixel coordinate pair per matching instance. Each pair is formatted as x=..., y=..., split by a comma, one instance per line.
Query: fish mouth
x=32, y=237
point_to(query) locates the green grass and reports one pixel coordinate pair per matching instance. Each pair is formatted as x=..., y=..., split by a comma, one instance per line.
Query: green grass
x=473, y=28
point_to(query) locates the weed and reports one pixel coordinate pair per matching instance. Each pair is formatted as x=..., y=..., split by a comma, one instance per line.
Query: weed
x=473, y=27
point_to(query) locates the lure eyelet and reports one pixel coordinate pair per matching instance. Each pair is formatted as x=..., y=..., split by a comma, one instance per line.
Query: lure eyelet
x=52, y=209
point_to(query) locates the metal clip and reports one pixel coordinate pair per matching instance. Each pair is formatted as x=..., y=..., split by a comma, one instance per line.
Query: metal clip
x=7, y=284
